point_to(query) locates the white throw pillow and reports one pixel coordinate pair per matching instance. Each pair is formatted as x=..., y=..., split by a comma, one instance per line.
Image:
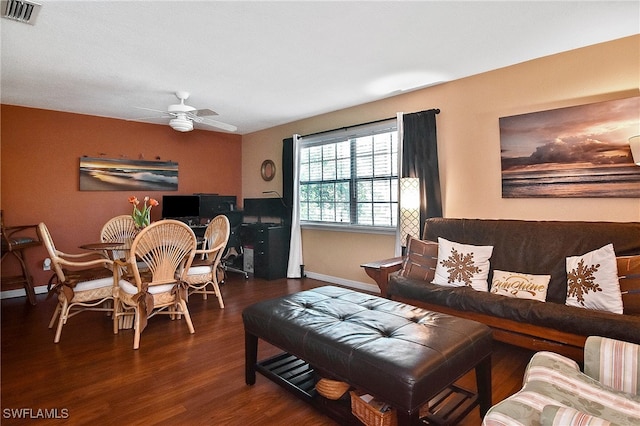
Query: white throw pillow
x=521, y=286
x=462, y=265
x=592, y=281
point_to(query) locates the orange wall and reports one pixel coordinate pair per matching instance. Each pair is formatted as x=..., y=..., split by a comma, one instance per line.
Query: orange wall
x=40, y=178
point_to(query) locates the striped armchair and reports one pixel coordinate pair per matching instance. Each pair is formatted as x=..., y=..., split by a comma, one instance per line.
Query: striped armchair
x=557, y=393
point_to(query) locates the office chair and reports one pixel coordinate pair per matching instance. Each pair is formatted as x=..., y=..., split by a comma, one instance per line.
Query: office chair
x=233, y=250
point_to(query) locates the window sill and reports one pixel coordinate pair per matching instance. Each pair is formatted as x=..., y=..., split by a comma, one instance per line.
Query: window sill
x=348, y=228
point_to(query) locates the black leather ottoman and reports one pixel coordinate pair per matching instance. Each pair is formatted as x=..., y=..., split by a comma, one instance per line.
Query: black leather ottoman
x=399, y=353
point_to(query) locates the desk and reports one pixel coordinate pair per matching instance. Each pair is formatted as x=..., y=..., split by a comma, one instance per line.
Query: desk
x=380, y=270
x=270, y=244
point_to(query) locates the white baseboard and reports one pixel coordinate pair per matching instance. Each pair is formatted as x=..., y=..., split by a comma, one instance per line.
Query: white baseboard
x=341, y=281
x=9, y=294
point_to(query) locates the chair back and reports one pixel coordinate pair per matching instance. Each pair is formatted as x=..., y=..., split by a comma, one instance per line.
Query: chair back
x=119, y=229
x=167, y=248
x=45, y=237
x=216, y=237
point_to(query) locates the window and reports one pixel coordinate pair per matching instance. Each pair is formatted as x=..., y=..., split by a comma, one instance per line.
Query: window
x=349, y=177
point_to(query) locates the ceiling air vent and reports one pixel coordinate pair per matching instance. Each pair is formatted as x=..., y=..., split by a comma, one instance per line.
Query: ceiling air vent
x=19, y=10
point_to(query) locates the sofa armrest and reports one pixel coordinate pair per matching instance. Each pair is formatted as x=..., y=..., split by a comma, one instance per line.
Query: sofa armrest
x=613, y=363
x=379, y=270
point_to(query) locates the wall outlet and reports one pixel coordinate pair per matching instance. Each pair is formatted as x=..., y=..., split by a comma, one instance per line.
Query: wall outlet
x=46, y=265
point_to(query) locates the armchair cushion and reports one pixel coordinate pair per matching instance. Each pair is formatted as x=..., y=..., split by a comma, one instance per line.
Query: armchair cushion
x=613, y=363
x=553, y=415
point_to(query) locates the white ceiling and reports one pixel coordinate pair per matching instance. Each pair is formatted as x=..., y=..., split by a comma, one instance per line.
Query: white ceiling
x=263, y=63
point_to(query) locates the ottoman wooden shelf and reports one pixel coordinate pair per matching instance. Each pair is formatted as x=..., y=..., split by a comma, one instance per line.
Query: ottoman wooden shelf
x=398, y=353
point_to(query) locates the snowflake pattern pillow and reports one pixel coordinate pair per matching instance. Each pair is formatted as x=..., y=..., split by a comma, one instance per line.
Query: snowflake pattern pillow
x=592, y=281
x=519, y=285
x=462, y=265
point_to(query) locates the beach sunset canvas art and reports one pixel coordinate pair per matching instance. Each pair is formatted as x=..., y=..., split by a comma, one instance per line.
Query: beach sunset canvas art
x=580, y=151
x=100, y=174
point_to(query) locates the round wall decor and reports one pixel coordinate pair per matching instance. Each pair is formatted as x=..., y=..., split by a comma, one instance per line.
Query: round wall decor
x=268, y=170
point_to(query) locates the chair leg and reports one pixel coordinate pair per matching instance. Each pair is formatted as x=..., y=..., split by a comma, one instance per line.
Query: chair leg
x=116, y=315
x=64, y=312
x=25, y=278
x=187, y=317
x=55, y=315
x=136, y=335
x=216, y=287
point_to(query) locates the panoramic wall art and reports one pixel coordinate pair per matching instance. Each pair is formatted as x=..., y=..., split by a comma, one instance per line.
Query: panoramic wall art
x=100, y=174
x=580, y=151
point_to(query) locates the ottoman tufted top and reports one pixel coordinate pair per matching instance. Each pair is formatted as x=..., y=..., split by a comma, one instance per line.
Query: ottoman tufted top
x=402, y=354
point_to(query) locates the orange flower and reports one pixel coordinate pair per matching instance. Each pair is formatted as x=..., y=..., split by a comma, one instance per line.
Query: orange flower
x=142, y=217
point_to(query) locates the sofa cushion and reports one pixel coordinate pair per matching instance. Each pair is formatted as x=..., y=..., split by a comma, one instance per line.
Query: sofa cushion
x=629, y=279
x=420, y=260
x=592, y=281
x=462, y=265
x=580, y=321
x=519, y=285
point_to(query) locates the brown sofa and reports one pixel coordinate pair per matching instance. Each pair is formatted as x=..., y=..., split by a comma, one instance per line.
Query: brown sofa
x=534, y=247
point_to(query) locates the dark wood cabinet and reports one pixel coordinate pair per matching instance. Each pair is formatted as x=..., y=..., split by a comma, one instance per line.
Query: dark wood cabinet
x=270, y=244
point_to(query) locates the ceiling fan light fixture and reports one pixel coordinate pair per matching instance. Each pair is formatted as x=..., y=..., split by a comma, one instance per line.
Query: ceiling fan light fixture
x=181, y=124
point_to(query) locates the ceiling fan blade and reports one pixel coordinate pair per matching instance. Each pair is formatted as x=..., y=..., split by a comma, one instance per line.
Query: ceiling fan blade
x=154, y=110
x=218, y=124
x=204, y=112
x=152, y=117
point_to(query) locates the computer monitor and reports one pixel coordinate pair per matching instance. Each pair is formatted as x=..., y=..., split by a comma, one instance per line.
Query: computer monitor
x=180, y=206
x=264, y=209
x=212, y=205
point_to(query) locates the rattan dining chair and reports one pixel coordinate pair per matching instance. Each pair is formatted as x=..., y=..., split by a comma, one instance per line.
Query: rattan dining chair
x=167, y=248
x=206, y=266
x=118, y=229
x=83, y=282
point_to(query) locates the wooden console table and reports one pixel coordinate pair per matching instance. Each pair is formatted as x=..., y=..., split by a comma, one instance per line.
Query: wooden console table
x=380, y=270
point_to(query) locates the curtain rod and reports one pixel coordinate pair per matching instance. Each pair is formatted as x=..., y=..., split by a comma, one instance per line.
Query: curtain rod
x=435, y=110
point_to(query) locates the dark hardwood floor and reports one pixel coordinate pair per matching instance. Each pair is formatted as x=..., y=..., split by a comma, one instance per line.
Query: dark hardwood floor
x=95, y=377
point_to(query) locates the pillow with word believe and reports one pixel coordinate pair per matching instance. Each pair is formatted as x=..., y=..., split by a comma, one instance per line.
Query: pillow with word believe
x=462, y=265
x=519, y=285
x=592, y=281
x=420, y=260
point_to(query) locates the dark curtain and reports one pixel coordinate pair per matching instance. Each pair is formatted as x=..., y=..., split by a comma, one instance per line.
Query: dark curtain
x=420, y=160
x=287, y=177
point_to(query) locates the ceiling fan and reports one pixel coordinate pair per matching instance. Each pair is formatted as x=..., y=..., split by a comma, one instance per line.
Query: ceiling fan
x=183, y=116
